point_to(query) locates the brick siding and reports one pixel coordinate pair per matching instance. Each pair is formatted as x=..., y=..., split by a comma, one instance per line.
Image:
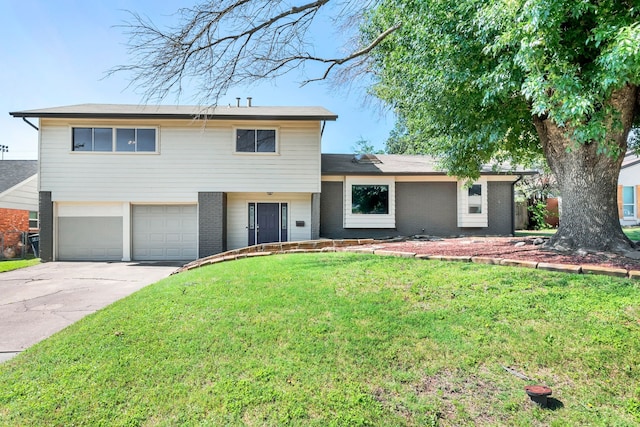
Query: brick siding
x=13, y=223
x=212, y=223
x=46, y=226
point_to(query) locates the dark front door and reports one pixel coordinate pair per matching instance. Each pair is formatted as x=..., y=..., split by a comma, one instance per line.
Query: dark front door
x=268, y=222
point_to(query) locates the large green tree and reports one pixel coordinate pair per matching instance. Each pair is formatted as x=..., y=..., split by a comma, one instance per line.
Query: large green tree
x=472, y=81
x=477, y=80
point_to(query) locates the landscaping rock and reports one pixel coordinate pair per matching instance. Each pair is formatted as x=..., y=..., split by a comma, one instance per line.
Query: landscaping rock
x=538, y=241
x=519, y=244
x=633, y=254
x=395, y=253
x=606, y=271
x=519, y=263
x=562, y=268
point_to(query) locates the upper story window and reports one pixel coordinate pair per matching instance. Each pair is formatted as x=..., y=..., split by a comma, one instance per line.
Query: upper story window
x=136, y=140
x=255, y=140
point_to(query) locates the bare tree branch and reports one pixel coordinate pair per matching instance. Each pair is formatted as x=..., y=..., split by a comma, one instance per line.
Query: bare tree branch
x=354, y=55
x=219, y=44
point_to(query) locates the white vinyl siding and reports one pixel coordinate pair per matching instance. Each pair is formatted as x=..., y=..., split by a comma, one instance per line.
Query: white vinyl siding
x=193, y=156
x=23, y=196
x=299, y=206
x=354, y=220
x=473, y=209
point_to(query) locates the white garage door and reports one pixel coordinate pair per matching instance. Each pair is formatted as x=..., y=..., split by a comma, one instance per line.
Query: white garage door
x=89, y=239
x=165, y=232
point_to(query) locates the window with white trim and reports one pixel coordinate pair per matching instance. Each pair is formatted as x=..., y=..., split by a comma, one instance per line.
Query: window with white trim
x=369, y=202
x=629, y=202
x=107, y=139
x=370, y=199
x=33, y=220
x=472, y=204
x=255, y=141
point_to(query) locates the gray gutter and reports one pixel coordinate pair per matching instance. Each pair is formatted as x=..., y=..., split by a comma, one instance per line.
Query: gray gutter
x=160, y=116
x=30, y=124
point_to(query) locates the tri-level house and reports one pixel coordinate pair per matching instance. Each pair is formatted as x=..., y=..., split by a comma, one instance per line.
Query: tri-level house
x=129, y=182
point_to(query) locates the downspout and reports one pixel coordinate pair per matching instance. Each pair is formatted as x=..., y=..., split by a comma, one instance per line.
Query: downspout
x=30, y=124
x=513, y=204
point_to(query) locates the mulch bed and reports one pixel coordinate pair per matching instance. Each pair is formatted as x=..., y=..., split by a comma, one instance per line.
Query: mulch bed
x=518, y=248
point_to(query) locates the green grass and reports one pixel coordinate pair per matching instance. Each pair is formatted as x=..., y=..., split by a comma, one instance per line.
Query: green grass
x=632, y=233
x=341, y=340
x=21, y=263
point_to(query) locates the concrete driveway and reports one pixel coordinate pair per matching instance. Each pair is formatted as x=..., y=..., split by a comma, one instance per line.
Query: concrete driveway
x=36, y=302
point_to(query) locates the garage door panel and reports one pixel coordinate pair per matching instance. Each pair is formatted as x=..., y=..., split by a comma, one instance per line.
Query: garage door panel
x=89, y=239
x=173, y=238
x=165, y=232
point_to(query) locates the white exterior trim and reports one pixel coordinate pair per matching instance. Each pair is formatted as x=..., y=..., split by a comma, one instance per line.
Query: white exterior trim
x=472, y=220
x=127, y=213
x=351, y=220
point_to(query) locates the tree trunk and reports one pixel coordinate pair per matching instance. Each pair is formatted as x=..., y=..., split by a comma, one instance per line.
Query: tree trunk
x=588, y=182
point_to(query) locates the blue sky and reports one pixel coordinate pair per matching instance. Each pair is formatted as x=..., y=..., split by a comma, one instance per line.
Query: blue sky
x=56, y=53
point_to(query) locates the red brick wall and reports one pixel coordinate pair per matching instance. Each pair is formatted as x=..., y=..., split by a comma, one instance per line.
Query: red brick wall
x=11, y=222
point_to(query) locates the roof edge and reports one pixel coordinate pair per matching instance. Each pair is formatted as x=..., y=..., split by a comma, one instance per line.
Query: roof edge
x=380, y=173
x=161, y=116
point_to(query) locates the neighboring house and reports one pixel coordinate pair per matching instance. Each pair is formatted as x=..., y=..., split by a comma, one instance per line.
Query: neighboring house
x=126, y=182
x=390, y=195
x=629, y=190
x=18, y=200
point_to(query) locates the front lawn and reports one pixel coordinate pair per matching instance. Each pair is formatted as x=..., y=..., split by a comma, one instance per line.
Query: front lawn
x=632, y=233
x=16, y=264
x=341, y=339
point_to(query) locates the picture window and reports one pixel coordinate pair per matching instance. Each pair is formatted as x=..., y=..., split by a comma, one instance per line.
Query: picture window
x=370, y=199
